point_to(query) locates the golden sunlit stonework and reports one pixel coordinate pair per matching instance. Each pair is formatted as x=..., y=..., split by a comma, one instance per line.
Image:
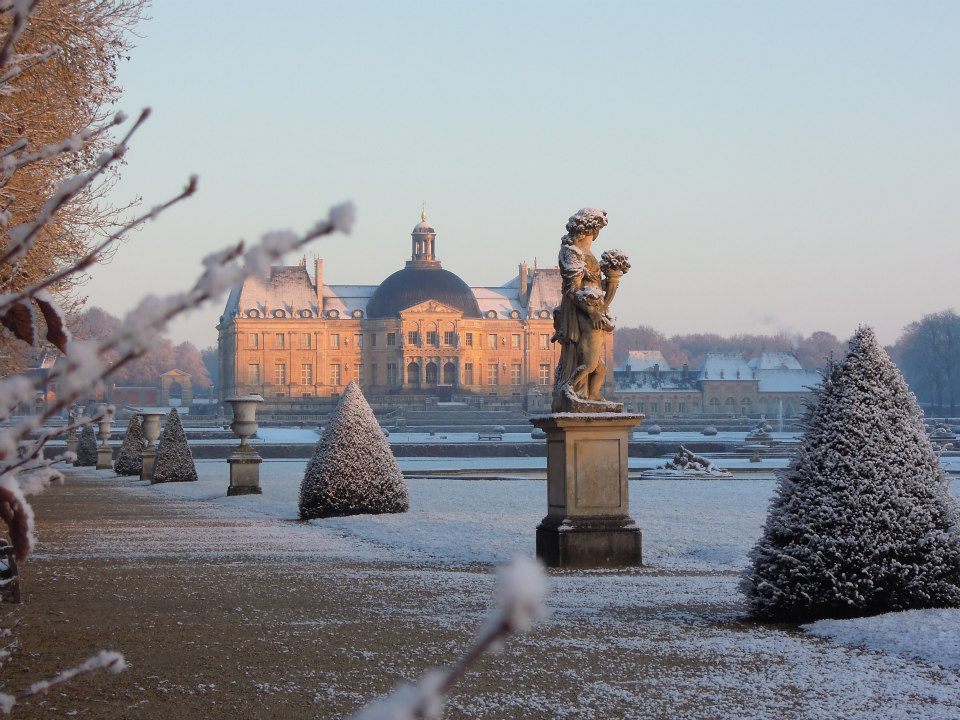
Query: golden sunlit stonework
x=423, y=332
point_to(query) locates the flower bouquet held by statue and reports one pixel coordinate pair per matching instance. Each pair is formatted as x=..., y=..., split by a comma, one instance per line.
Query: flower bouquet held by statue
x=582, y=323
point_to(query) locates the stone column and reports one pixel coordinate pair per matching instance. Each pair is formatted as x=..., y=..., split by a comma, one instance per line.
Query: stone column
x=588, y=521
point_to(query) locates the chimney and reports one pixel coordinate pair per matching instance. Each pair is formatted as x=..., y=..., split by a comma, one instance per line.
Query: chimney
x=523, y=283
x=318, y=278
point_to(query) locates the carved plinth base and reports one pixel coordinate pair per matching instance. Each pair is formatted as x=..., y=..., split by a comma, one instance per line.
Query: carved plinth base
x=614, y=541
x=104, y=458
x=149, y=456
x=588, y=521
x=244, y=474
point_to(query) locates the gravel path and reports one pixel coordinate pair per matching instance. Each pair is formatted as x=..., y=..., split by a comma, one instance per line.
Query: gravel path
x=232, y=618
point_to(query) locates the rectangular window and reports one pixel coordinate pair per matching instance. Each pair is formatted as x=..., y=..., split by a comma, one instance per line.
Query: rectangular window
x=468, y=373
x=373, y=340
x=667, y=406
x=433, y=340
x=373, y=374
x=681, y=407
x=334, y=374
x=392, y=377
x=307, y=341
x=359, y=340
x=545, y=374
x=281, y=341
x=253, y=341
x=449, y=338
x=515, y=341
x=515, y=371
x=253, y=373
x=391, y=339
x=280, y=374
x=335, y=341
x=468, y=340
x=306, y=374
x=653, y=407
x=544, y=341
x=492, y=341
x=412, y=338
x=493, y=374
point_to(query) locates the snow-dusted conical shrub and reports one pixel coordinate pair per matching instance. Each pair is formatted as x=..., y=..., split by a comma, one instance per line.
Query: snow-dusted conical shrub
x=863, y=522
x=130, y=459
x=87, y=447
x=174, y=461
x=352, y=470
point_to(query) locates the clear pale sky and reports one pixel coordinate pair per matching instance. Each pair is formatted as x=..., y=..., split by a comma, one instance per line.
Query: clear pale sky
x=767, y=166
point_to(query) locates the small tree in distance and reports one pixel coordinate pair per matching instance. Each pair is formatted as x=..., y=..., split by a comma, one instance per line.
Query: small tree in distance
x=352, y=470
x=130, y=458
x=174, y=461
x=863, y=522
x=87, y=448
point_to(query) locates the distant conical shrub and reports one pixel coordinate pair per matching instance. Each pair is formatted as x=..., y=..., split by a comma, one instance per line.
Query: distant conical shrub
x=352, y=470
x=174, y=461
x=87, y=448
x=130, y=458
x=863, y=522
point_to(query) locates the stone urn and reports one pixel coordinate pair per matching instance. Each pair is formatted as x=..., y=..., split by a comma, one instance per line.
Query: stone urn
x=104, y=453
x=72, y=440
x=151, y=432
x=244, y=462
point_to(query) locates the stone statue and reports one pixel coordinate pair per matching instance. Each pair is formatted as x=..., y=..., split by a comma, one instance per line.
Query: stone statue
x=582, y=324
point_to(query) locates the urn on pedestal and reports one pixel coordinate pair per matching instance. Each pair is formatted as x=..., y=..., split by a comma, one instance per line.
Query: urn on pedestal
x=104, y=453
x=151, y=431
x=244, y=462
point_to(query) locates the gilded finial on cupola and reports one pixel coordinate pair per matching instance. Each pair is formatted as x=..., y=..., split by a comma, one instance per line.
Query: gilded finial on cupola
x=423, y=212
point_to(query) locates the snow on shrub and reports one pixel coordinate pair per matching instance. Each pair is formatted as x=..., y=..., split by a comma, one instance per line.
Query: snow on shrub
x=174, y=461
x=863, y=522
x=130, y=459
x=87, y=448
x=352, y=470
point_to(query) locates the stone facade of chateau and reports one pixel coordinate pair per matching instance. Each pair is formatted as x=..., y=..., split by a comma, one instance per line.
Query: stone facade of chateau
x=421, y=332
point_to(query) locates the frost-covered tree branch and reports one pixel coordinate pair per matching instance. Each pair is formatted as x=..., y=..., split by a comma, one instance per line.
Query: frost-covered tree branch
x=521, y=589
x=106, y=660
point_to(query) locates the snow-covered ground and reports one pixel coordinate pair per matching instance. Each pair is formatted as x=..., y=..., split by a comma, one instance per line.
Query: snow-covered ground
x=682, y=611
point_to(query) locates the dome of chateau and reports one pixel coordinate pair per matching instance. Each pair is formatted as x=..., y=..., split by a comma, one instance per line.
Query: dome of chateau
x=414, y=285
x=422, y=279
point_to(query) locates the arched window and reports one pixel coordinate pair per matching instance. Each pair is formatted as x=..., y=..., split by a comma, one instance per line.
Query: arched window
x=431, y=373
x=731, y=402
x=413, y=374
x=714, y=403
x=449, y=374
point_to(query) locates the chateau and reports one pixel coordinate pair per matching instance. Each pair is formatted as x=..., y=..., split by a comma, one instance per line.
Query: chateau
x=421, y=332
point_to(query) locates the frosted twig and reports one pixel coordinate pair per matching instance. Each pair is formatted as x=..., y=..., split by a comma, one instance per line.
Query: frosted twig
x=522, y=586
x=106, y=660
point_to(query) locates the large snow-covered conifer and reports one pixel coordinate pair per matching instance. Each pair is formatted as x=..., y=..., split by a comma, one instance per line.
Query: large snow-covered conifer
x=174, y=461
x=87, y=447
x=130, y=458
x=863, y=522
x=352, y=470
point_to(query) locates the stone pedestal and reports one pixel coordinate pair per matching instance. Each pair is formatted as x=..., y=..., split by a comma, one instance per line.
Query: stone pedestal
x=151, y=432
x=149, y=456
x=588, y=521
x=104, y=458
x=244, y=474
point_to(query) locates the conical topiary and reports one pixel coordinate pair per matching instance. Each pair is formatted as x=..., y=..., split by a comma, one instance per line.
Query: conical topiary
x=174, y=461
x=863, y=522
x=87, y=448
x=130, y=458
x=352, y=470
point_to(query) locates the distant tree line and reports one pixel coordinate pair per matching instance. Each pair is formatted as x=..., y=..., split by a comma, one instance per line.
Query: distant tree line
x=95, y=323
x=927, y=352
x=812, y=351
